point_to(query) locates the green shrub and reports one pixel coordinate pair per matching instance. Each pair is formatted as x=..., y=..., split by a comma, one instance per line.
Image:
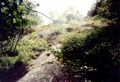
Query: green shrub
x=31, y=47
x=74, y=41
x=7, y=62
x=93, y=48
x=26, y=50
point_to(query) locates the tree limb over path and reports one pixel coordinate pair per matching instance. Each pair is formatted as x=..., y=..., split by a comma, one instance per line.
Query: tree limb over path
x=38, y=12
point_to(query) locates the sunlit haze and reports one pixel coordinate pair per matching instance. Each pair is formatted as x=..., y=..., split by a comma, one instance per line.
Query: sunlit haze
x=60, y=5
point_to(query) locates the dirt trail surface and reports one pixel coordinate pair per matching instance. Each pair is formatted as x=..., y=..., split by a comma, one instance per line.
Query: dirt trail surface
x=41, y=71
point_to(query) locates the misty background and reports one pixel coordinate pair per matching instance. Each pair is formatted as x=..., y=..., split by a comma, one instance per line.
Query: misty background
x=63, y=11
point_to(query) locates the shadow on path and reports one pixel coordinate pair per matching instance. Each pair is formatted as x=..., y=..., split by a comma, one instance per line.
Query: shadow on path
x=12, y=75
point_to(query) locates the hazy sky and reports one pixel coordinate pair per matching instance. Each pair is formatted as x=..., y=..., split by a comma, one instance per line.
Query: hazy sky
x=60, y=5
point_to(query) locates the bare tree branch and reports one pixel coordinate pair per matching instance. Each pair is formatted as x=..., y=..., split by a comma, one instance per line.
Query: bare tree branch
x=38, y=12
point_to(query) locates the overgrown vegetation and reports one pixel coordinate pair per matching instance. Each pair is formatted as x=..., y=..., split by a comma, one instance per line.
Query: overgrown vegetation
x=109, y=9
x=89, y=54
x=13, y=28
x=97, y=49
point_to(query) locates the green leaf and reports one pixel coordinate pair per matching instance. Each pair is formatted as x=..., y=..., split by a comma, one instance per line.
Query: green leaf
x=51, y=62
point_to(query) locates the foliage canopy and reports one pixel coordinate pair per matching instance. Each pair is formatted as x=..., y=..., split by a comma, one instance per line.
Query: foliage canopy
x=13, y=21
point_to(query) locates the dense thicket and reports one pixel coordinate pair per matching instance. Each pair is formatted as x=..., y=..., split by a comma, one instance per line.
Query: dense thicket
x=14, y=17
x=109, y=9
x=12, y=24
x=13, y=20
x=97, y=49
x=94, y=54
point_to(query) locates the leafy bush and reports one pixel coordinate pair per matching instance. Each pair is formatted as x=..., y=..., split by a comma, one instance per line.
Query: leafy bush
x=31, y=47
x=13, y=22
x=26, y=50
x=108, y=9
x=93, y=48
x=7, y=62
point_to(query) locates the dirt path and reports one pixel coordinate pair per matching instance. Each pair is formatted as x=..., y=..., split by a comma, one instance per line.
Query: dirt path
x=41, y=71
